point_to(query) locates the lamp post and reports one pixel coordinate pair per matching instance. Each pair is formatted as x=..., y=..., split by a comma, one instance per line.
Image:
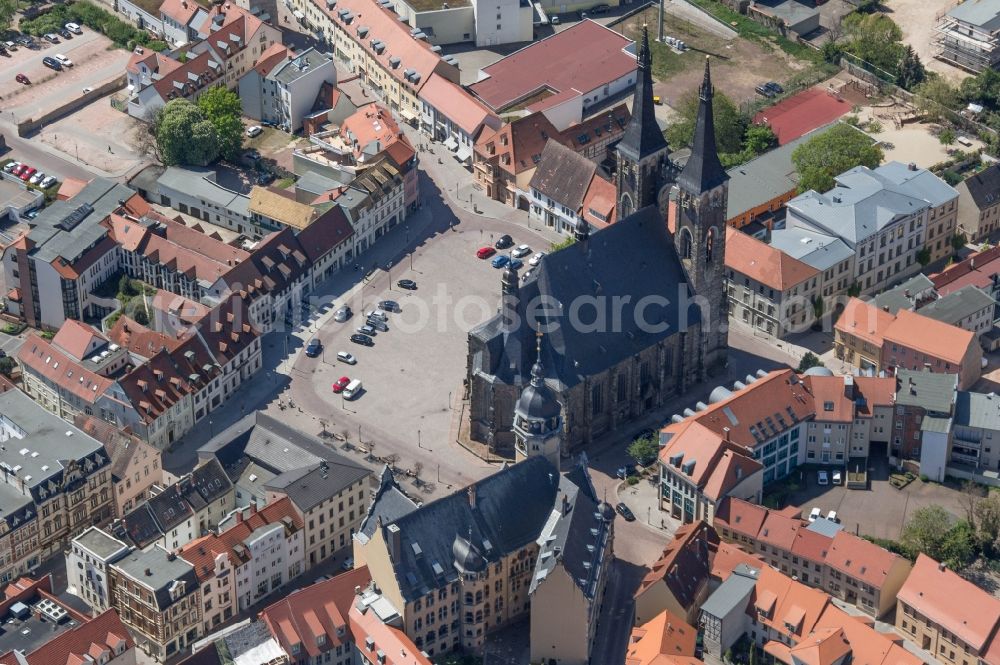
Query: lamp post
x=419, y=445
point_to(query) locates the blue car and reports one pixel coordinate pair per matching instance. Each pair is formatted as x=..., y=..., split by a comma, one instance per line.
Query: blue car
x=500, y=261
x=516, y=264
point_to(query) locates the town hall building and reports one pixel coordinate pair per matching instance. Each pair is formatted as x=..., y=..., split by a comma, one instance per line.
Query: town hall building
x=623, y=319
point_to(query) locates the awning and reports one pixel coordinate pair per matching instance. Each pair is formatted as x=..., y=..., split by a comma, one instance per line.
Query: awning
x=408, y=115
x=464, y=153
x=451, y=143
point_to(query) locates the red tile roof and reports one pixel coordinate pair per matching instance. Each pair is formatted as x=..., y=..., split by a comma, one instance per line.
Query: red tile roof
x=865, y=321
x=76, y=338
x=660, y=639
x=139, y=339
x=830, y=395
x=976, y=270
x=684, y=564
x=719, y=466
x=741, y=516
x=557, y=68
x=861, y=559
x=728, y=556
x=42, y=358
x=103, y=633
x=800, y=114
x=391, y=641
x=957, y=605
x=929, y=336
x=763, y=263
x=271, y=58
x=458, y=105
x=318, y=609
x=180, y=11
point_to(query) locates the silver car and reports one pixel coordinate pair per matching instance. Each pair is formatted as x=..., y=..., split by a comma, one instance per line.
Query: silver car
x=342, y=314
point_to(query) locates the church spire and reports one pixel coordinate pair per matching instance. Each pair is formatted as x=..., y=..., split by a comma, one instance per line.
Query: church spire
x=642, y=135
x=703, y=170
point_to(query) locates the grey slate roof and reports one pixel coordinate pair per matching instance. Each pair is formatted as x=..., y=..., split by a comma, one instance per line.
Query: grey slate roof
x=928, y=390
x=563, y=175
x=310, y=486
x=101, y=195
x=862, y=204
x=388, y=505
x=163, y=568
x=937, y=424
x=634, y=257
x=511, y=507
x=918, y=182
x=978, y=410
x=984, y=187
x=958, y=305
x=315, y=184
x=984, y=14
x=734, y=593
x=896, y=298
x=825, y=527
x=49, y=445
x=199, y=183
x=575, y=537
x=819, y=250
x=643, y=136
x=278, y=447
x=703, y=170
x=766, y=177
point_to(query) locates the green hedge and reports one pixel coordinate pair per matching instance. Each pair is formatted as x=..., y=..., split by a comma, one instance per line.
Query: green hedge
x=124, y=35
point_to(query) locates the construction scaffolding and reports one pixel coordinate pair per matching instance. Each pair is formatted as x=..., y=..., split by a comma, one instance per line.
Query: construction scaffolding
x=962, y=44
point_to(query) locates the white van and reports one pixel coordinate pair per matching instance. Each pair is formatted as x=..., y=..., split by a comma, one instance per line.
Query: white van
x=352, y=389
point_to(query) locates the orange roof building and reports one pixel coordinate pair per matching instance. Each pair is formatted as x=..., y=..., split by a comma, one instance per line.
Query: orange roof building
x=678, y=580
x=663, y=640
x=914, y=341
x=949, y=616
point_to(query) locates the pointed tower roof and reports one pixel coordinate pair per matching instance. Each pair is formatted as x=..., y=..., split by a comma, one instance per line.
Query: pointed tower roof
x=642, y=135
x=703, y=170
x=537, y=399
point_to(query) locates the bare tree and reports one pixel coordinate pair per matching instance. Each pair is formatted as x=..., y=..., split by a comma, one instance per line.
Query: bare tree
x=969, y=498
x=417, y=469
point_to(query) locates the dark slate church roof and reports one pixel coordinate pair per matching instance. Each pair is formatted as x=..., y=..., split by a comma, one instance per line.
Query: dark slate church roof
x=703, y=170
x=389, y=505
x=643, y=136
x=634, y=257
x=512, y=506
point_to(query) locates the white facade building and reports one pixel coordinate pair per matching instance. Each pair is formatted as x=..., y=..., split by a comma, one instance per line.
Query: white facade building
x=87, y=562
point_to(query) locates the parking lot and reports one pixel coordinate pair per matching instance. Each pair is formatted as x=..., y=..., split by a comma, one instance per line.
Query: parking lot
x=94, y=63
x=414, y=372
x=880, y=511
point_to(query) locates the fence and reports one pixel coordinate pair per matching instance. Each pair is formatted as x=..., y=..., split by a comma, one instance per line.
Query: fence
x=31, y=125
x=991, y=480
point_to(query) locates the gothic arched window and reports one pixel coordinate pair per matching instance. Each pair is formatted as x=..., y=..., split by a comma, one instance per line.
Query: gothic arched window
x=626, y=206
x=686, y=244
x=709, y=244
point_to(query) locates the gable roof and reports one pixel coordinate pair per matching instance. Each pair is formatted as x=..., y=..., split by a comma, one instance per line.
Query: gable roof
x=864, y=321
x=936, y=339
x=712, y=464
x=310, y=486
x=273, y=204
x=763, y=263
x=563, y=175
x=458, y=105
x=665, y=639
x=984, y=187
x=103, y=633
x=685, y=564
x=76, y=338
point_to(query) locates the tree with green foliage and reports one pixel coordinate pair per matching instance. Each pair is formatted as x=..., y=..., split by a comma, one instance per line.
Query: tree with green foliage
x=729, y=123
x=758, y=139
x=876, y=39
x=222, y=108
x=808, y=361
x=911, y=70
x=831, y=51
x=7, y=365
x=935, y=95
x=644, y=450
x=185, y=136
x=927, y=531
x=7, y=10
x=839, y=149
x=947, y=136
x=924, y=256
x=564, y=243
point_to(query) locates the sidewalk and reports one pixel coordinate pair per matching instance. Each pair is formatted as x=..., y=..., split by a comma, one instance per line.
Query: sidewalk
x=643, y=499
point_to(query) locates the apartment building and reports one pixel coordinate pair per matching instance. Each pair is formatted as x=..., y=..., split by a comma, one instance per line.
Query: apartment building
x=88, y=560
x=157, y=595
x=979, y=205
x=791, y=622
x=925, y=403
x=979, y=269
x=851, y=412
x=454, y=117
x=330, y=498
x=390, y=58
x=967, y=36
x=506, y=158
x=56, y=483
x=458, y=568
x=975, y=425
x=678, y=581
x=568, y=190
x=699, y=468
x=282, y=89
x=42, y=630
x=177, y=514
x=769, y=290
x=135, y=465
x=56, y=267
x=873, y=340
x=891, y=218
x=666, y=638
x=226, y=42
x=819, y=554
x=969, y=308
x=196, y=192
x=948, y=616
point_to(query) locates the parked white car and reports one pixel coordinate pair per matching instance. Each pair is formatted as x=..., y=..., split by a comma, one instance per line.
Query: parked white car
x=47, y=182
x=824, y=478
x=63, y=60
x=37, y=178
x=521, y=251
x=832, y=516
x=74, y=28
x=253, y=130
x=536, y=258
x=837, y=478
x=815, y=514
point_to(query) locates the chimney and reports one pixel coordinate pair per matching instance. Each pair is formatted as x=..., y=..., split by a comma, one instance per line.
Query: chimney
x=726, y=433
x=149, y=572
x=472, y=496
x=253, y=507
x=912, y=166
x=942, y=567
x=392, y=540
x=239, y=516
x=972, y=263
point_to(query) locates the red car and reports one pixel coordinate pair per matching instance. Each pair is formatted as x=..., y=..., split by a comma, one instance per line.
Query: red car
x=21, y=78
x=485, y=252
x=31, y=170
x=19, y=170
x=341, y=384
